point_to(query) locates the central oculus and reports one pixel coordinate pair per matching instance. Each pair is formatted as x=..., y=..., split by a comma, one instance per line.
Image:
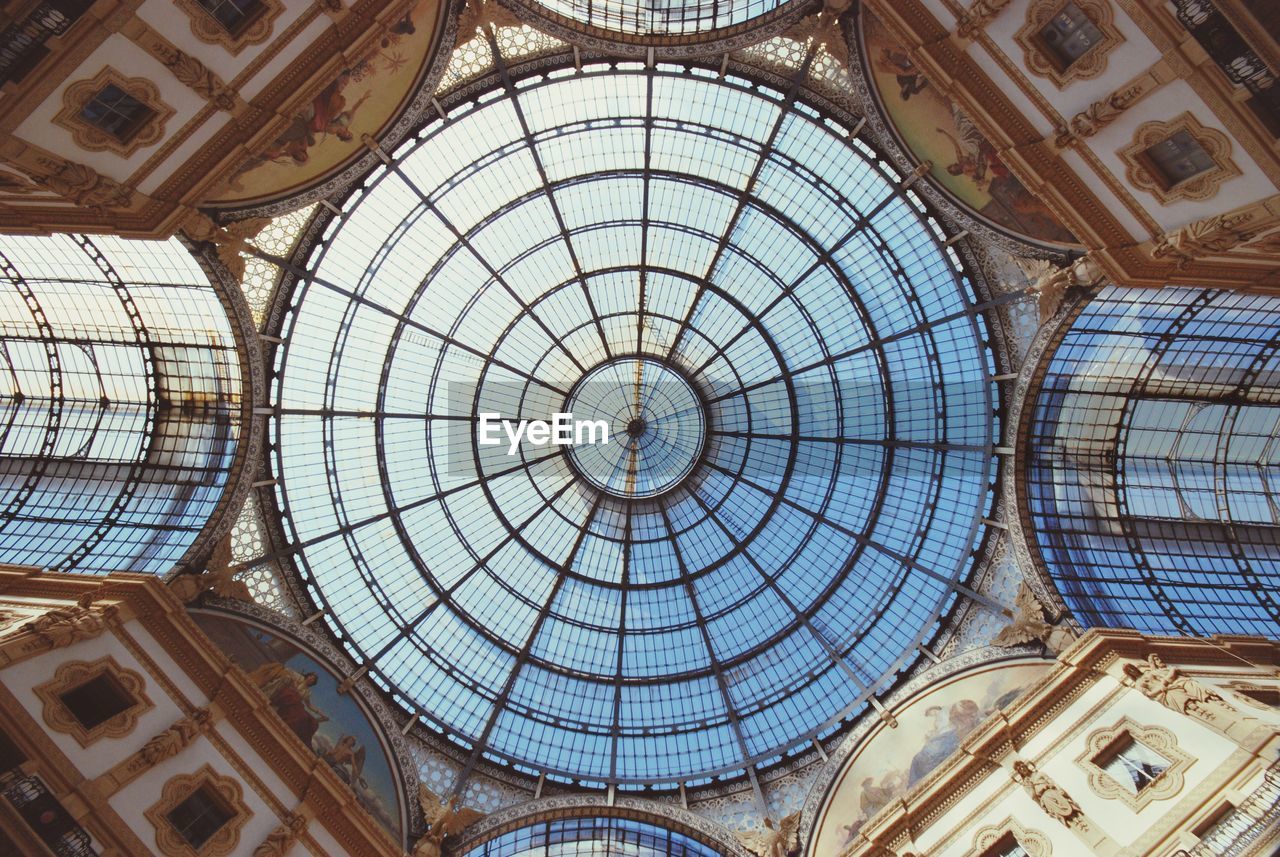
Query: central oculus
x=658, y=427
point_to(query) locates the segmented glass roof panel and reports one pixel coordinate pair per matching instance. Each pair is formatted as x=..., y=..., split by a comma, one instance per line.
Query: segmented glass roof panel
x=586, y=837
x=1153, y=462
x=798, y=392
x=120, y=402
x=645, y=17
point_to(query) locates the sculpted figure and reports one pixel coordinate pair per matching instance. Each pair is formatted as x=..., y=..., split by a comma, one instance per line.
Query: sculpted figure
x=1163, y=683
x=445, y=819
x=172, y=740
x=1218, y=234
x=1050, y=797
x=63, y=626
x=1029, y=624
x=774, y=841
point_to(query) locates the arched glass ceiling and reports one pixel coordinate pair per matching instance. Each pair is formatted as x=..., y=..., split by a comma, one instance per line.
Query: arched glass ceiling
x=662, y=18
x=119, y=402
x=1153, y=462
x=687, y=246
x=588, y=837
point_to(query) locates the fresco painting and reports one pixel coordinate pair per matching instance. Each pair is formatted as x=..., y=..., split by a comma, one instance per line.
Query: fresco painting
x=934, y=129
x=930, y=728
x=360, y=99
x=305, y=695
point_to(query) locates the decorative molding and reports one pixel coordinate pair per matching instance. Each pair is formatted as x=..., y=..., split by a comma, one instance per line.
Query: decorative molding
x=89, y=136
x=977, y=16
x=1099, y=115
x=280, y=840
x=71, y=675
x=1167, y=784
x=1036, y=844
x=58, y=627
x=207, y=29
x=1178, y=692
x=195, y=75
x=76, y=183
x=186, y=69
x=179, y=788
x=1092, y=63
x=1244, y=690
x=175, y=739
x=1203, y=185
x=1221, y=233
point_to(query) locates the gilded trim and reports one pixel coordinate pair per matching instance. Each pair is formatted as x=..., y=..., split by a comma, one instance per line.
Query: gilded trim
x=1040, y=61
x=89, y=136
x=72, y=674
x=223, y=842
x=1201, y=186
x=1036, y=844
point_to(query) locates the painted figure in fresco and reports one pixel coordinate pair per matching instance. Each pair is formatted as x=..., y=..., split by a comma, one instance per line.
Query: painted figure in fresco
x=962, y=718
x=289, y=693
x=350, y=754
x=975, y=157
x=910, y=80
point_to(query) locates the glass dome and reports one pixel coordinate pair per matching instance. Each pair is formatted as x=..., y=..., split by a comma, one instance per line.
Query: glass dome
x=797, y=393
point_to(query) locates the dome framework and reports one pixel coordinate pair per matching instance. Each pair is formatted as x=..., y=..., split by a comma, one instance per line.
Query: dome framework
x=808, y=300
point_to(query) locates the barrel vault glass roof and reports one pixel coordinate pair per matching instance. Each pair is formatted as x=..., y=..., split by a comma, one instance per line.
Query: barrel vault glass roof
x=120, y=396
x=649, y=17
x=586, y=837
x=716, y=237
x=1153, y=462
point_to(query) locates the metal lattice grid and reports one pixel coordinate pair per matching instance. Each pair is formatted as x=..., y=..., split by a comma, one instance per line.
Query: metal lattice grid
x=1153, y=462
x=670, y=18
x=718, y=227
x=120, y=399
x=581, y=837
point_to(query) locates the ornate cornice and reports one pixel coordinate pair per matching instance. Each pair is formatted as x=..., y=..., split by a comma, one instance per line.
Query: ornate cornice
x=832, y=769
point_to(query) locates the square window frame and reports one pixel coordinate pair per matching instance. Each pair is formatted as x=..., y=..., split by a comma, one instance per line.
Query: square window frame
x=1042, y=62
x=1140, y=173
x=77, y=96
x=1155, y=738
x=72, y=674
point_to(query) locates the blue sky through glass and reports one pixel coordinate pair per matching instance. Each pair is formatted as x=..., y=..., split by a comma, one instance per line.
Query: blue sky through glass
x=713, y=227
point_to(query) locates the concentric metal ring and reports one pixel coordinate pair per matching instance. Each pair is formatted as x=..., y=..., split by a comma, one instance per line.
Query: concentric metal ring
x=678, y=626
